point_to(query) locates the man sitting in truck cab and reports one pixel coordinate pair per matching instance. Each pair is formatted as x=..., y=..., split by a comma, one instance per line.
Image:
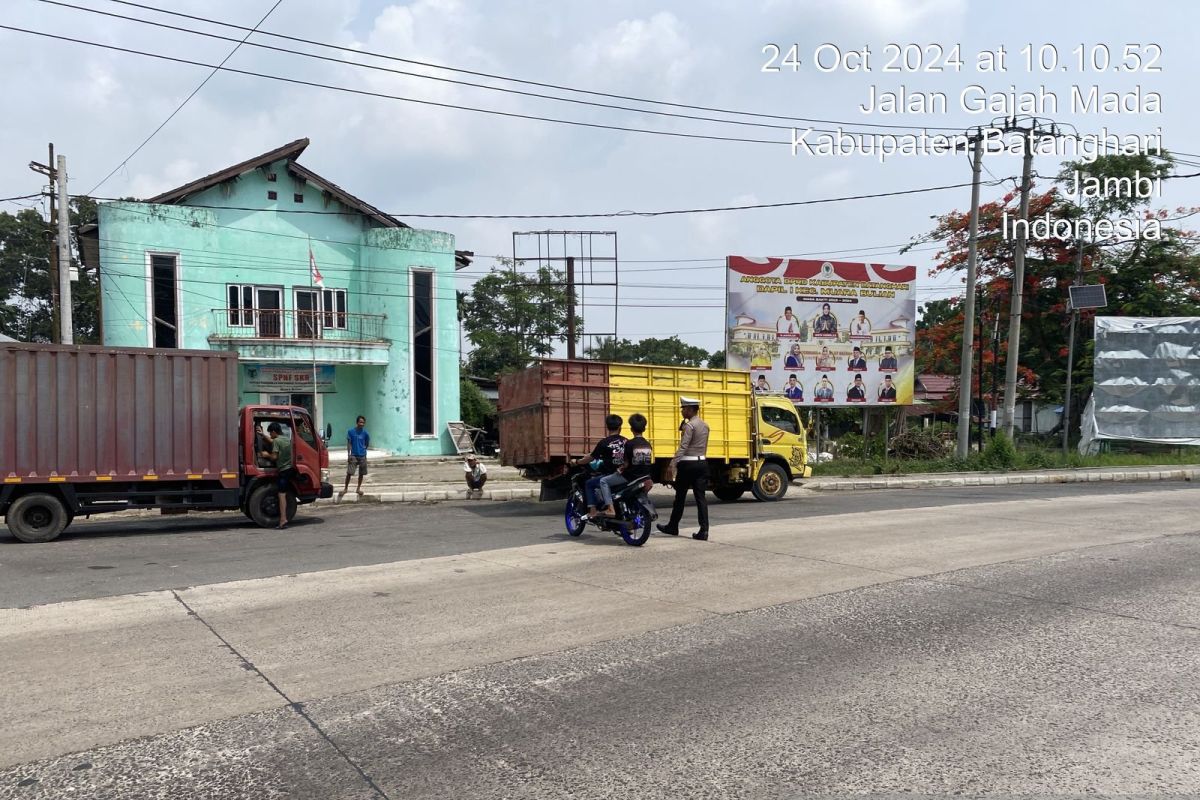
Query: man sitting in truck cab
x=607, y=456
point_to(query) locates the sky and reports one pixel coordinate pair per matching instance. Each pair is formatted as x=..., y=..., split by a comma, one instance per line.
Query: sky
x=98, y=105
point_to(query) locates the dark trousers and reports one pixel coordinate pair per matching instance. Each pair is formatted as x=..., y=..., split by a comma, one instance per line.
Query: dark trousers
x=691, y=476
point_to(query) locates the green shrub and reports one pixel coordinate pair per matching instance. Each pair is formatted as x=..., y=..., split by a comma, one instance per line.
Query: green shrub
x=1000, y=453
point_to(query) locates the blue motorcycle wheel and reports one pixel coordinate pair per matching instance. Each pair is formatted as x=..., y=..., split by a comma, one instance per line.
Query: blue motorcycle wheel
x=573, y=516
x=637, y=533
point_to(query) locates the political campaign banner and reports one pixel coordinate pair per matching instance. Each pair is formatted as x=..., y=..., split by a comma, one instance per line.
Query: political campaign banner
x=822, y=333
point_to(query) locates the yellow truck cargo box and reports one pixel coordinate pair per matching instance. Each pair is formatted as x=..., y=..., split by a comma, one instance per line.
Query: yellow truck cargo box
x=724, y=395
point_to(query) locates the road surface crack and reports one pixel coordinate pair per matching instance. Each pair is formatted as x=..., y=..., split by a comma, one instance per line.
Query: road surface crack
x=297, y=708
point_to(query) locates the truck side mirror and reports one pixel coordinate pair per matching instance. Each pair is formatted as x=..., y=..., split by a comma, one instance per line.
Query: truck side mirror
x=328, y=432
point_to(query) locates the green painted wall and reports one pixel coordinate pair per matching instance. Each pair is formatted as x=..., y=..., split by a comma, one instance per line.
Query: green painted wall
x=223, y=245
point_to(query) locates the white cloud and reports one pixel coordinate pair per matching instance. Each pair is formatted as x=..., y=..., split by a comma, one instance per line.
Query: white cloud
x=653, y=50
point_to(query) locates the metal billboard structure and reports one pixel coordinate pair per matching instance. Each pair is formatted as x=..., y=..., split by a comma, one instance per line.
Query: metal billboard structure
x=1146, y=382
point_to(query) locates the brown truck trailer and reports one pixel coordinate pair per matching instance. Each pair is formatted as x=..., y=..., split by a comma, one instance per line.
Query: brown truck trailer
x=85, y=430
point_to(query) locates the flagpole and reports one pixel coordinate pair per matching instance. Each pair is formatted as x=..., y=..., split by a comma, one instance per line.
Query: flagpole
x=312, y=261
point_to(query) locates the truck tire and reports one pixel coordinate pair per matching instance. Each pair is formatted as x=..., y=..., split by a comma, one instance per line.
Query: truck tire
x=771, y=483
x=729, y=494
x=36, y=518
x=263, y=507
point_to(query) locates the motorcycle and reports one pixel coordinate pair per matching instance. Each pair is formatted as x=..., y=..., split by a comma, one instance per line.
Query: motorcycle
x=635, y=511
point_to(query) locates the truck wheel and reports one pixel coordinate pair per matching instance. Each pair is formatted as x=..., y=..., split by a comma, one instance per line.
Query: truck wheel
x=37, y=518
x=264, y=506
x=771, y=483
x=728, y=494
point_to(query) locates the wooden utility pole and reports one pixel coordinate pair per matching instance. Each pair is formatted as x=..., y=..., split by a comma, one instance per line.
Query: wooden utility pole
x=51, y=174
x=964, y=374
x=1066, y=417
x=571, y=307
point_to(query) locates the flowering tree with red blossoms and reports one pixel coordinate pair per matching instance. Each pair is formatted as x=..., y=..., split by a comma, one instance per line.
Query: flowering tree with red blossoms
x=1142, y=277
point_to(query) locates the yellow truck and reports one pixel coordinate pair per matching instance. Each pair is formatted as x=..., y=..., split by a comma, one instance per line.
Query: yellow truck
x=554, y=411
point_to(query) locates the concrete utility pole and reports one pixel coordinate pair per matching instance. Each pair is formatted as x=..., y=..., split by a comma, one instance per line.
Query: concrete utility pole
x=66, y=323
x=964, y=375
x=1013, y=357
x=1066, y=418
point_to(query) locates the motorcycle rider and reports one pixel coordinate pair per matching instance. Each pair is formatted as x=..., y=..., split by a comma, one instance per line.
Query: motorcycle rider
x=639, y=458
x=607, y=456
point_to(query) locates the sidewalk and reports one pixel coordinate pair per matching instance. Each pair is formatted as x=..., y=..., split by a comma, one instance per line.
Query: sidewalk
x=399, y=483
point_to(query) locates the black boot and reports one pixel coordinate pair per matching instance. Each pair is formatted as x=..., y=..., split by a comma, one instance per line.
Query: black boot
x=701, y=536
x=668, y=531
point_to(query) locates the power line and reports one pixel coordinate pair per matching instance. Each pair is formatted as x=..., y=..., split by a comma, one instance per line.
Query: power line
x=385, y=96
x=179, y=108
x=612, y=214
x=505, y=90
x=492, y=76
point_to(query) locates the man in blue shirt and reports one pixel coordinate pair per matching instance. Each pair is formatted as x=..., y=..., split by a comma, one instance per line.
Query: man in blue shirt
x=357, y=442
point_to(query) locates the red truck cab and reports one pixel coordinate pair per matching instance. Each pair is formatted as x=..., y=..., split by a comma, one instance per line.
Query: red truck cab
x=310, y=457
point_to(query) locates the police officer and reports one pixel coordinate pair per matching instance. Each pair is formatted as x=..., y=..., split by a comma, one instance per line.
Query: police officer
x=691, y=469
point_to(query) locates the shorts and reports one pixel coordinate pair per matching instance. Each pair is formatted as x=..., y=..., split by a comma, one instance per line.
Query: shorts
x=356, y=461
x=283, y=481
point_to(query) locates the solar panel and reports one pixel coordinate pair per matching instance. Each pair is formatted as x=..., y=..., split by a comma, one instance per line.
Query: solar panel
x=1088, y=296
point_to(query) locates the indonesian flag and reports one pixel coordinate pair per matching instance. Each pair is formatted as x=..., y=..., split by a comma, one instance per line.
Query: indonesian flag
x=317, y=277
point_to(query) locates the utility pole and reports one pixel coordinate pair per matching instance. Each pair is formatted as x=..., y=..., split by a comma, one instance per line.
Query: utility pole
x=571, y=307
x=48, y=170
x=964, y=375
x=1018, y=285
x=1066, y=418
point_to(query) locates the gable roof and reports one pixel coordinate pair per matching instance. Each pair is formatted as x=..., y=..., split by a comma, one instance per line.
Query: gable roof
x=936, y=387
x=288, y=152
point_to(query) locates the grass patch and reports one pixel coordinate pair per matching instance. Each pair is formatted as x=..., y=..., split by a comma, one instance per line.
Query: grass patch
x=1005, y=457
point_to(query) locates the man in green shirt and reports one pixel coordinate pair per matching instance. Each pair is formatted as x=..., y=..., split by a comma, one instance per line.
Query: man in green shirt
x=281, y=454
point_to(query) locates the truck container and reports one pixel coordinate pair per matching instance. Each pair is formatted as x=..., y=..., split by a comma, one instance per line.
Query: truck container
x=554, y=412
x=85, y=430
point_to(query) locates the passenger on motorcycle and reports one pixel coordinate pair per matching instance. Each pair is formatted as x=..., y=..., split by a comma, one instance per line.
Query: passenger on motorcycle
x=639, y=458
x=607, y=457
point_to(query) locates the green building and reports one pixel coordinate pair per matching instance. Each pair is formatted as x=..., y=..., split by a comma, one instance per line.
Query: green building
x=329, y=302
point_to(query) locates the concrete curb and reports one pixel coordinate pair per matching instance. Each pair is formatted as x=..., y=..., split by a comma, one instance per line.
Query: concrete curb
x=1002, y=478
x=512, y=490
x=433, y=495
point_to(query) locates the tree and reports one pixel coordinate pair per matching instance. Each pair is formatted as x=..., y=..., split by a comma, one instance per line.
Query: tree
x=672, y=351
x=1142, y=277
x=474, y=406
x=512, y=318
x=717, y=360
x=25, y=285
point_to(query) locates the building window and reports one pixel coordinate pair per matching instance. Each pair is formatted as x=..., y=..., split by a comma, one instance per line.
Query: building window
x=272, y=195
x=334, y=304
x=163, y=300
x=241, y=305
x=299, y=198
x=422, y=352
x=270, y=177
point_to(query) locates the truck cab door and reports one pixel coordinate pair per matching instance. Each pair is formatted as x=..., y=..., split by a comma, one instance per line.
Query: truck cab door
x=781, y=433
x=306, y=451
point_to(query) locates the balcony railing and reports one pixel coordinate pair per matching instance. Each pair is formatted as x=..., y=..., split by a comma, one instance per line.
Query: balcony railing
x=298, y=326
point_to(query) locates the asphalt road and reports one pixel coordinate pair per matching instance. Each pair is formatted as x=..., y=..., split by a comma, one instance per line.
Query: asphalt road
x=992, y=642
x=106, y=556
